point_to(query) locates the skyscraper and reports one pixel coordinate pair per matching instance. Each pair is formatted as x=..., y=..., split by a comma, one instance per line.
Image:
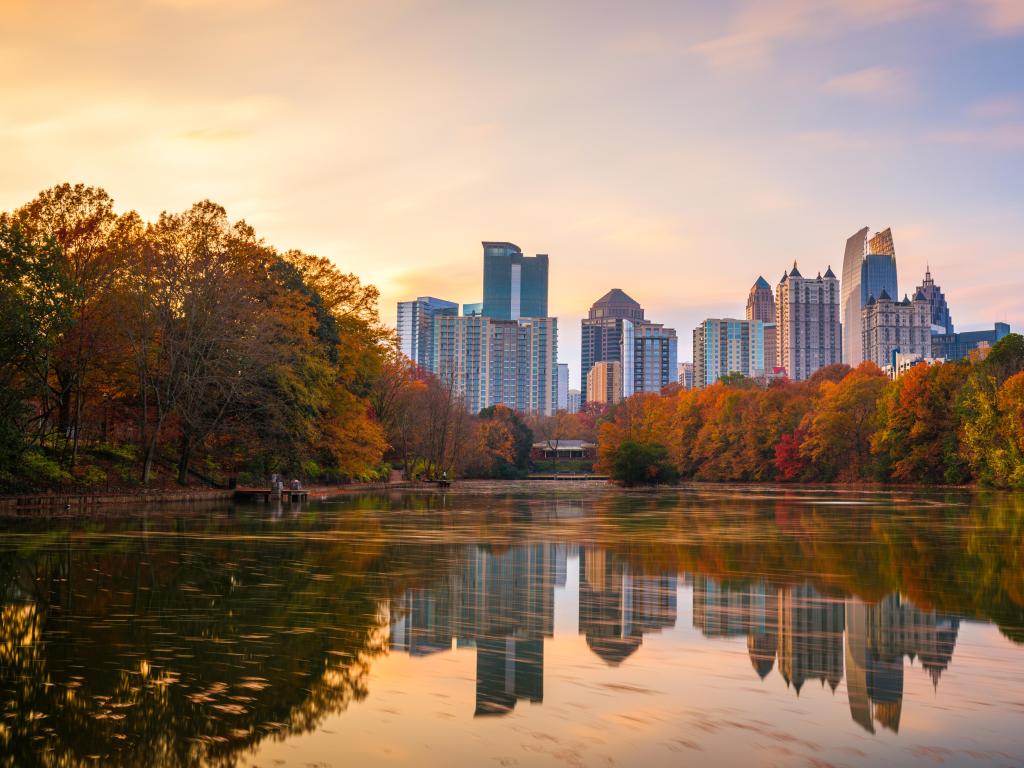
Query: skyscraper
x=489, y=361
x=574, y=401
x=724, y=346
x=415, y=327
x=514, y=285
x=807, y=319
x=892, y=327
x=648, y=354
x=942, y=321
x=602, y=331
x=604, y=382
x=869, y=265
x=685, y=375
x=761, y=306
x=761, y=302
x=562, y=403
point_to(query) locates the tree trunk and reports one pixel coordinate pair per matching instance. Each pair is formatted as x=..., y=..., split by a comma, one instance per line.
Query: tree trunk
x=147, y=463
x=184, y=458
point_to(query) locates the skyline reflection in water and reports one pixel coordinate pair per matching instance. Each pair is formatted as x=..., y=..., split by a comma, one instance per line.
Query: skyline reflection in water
x=583, y=627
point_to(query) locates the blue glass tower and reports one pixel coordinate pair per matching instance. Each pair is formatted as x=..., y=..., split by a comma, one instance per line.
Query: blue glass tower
x=877, y=274
x=514, y=285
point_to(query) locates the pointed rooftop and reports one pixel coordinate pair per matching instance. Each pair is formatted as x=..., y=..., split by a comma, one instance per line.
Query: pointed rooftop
x=829, y=273
x=884, y=296
x=762, y=283
x=794, y=272
x=616, y=296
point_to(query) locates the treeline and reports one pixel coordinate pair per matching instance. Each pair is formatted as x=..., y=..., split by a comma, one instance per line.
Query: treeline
x=954, y=423
x=188, y=350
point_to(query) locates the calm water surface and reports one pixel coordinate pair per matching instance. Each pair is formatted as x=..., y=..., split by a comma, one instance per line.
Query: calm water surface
x=505, y=625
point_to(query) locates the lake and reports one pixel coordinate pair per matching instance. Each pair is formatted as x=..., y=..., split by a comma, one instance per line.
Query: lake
x=521, y=624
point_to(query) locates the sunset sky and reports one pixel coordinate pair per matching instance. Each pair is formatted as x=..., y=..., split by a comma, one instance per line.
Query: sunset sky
x=676, y=150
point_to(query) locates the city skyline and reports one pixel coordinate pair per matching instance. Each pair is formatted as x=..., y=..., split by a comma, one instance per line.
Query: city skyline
x=363, y=139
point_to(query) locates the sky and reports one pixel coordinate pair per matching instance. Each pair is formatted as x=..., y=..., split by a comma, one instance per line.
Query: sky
x=676, y=150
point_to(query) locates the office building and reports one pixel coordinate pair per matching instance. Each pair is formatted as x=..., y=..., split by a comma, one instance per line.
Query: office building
x=724, y=346
x=604, y=382
x=515, y=285
x=869, y=266
x=761, y=306
x=942, y=321
x=602, y=331
x=415, y=326
x=490, y=362
x=957, y=346
x=475, y=308
x=685, y=375
x=809, y=334
x=892, y=327
x=562, y=398
x=574, y=401
x=648, y=353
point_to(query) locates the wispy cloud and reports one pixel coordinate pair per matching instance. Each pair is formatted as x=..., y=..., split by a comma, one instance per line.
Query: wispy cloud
x=997, y=136
x=1003, y=17
x=871, y=81
x=998, y=108
x=758, y=27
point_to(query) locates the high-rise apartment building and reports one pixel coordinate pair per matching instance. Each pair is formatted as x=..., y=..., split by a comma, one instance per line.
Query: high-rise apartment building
x=514, y=285
x=942, y=321
x=685, y=375
x=648, y=354
x=602, y=331
x=869, y=266
x=604, y=382
x=807, y=321
x=415, y=326
x=957, y=346
x=562, y=403
x=574, y=401
x=892, y=327
x=724, y=346
x=490, y=362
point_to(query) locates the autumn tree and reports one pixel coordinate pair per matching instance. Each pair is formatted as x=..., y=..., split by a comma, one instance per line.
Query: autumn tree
x=843, y=422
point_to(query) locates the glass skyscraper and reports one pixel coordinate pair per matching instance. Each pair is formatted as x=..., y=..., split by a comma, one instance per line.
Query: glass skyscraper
x=869, y=265
x=602, y=331
x=514, y=285
x=415, y=327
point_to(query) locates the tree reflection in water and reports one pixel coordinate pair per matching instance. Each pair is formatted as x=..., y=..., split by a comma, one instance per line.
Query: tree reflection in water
x=187, y=640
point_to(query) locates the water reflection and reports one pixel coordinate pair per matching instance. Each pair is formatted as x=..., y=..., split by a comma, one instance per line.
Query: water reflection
x=199, y=639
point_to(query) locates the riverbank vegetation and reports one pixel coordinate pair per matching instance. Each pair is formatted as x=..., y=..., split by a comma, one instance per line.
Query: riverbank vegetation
x=954, y=423
x=187, y=350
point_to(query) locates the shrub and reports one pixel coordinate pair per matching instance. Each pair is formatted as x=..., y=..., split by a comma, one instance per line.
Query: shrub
x=634, y=463
x=38, y=469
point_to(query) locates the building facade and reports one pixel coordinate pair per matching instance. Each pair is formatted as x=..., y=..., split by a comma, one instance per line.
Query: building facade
x=685, y=375
x=942, y=321
x=562, y=403
x=574, y=401
x=490, y=362
x=724, y=346
x=514, y=285
x=809, y=334
x=415, y=326
x=896, y=327
x=604, y=382
x=602, y=331
x=957, y=346
x=869, y=265
x=648, y=354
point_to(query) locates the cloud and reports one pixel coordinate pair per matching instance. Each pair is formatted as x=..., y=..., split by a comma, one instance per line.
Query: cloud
x=871, y=81
x=1007, y=136
x=998, y=108
x=759, y=27
x=1003, y=17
